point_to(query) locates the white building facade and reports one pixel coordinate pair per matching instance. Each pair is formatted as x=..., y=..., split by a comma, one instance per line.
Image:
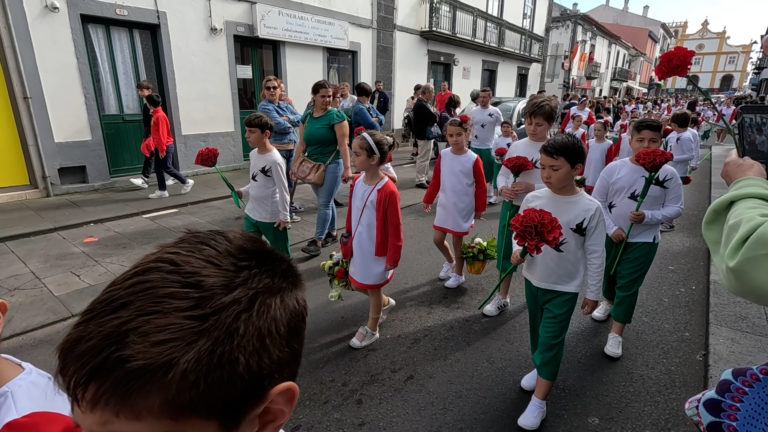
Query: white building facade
x=72, y=70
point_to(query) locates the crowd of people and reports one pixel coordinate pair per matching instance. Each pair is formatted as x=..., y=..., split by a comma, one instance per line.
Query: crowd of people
x=149, y=357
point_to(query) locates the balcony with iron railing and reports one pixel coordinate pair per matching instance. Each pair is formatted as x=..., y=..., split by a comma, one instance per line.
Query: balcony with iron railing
x=623, y=74
x=456, y=23
x=592, y=71
x=761, y=63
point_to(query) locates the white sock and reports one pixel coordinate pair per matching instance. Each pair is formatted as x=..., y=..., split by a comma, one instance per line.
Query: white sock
x=538, y=403
x=533, y=414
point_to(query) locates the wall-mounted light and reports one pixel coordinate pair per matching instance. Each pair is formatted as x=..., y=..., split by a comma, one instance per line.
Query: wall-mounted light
x=216, y=30
x=455, y=61
x=53, y=6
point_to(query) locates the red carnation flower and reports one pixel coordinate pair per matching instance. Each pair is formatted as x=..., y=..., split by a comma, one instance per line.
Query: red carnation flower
x=358, y=130
x=687, y=180
x=464, y=118
x=667, y=130
x=536, y=228
x=340, y=273
x=518, y=165
x=676, y=62
x=500, y=152
x=389, y=158
x=653, y=159
x=207, y=157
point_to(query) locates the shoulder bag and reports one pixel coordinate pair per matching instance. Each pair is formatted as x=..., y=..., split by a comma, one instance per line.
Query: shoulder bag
x=311, y=172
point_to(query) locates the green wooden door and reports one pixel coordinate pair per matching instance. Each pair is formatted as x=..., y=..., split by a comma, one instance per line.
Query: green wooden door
x=254, y=59
x=119, y=57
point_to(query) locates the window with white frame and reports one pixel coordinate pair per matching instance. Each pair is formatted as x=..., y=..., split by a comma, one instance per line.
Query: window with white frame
x=494, y=7
x=528, y=11
x=697, y=61
x=731, y=60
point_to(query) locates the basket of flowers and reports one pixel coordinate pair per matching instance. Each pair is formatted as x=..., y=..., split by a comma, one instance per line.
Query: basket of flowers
x=337, y=270
x=477, y=253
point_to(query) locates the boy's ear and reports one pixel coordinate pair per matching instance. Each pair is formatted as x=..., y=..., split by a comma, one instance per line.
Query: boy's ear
x=274, y=411
x=267, y=134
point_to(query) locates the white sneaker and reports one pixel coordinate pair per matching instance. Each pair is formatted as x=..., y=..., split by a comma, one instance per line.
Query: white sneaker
x=493, y=200
x=140, y=182
x=528, y=383
x=533, y=415
x=454, y=281
x=170, y=181
x=603, y=311
x=363, y=338
x=159, y=194
x=446, y=272
x=496, y=306
x=613, y=346
x=187, y=187
x=386, y=309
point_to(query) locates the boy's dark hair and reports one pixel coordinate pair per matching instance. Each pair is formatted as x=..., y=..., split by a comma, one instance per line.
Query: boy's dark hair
x=363, y=89
x=681, y=118
x=486, y=90
x=508, y=123
x=154, y=100
x=648, y=124
x=541, y=106
x=385, y=144
x=259, y=121
x=453, y=101
x=694, y=120
x=565, y=146
x=201, y=328
x=144, y=85
x=416, y=88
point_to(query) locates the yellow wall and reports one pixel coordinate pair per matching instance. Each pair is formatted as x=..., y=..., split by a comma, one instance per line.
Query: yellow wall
x=14, y=169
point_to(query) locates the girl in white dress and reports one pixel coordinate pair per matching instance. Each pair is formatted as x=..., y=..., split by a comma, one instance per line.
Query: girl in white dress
x=459, y=183
x=374, y=227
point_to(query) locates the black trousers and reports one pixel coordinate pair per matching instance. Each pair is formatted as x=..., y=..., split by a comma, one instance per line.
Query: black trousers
x=164, y=165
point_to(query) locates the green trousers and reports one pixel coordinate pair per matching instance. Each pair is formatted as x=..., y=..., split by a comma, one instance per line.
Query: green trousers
x=277, y=238
x=549, y=315
x=486, y=155
x=496, y=169
x=504, y=240
x=622, y=288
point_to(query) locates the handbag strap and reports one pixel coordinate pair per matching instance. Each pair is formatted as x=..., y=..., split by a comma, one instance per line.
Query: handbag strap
x=360, y=217
x=306, y=122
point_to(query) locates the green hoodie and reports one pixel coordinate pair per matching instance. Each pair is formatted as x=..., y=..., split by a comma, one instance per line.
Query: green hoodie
x=735, y=228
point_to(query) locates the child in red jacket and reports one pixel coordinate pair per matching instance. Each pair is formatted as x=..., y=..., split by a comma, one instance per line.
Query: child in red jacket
x=162, y=142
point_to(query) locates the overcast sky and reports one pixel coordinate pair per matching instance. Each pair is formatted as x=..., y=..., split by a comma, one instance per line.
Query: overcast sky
x=745, y=20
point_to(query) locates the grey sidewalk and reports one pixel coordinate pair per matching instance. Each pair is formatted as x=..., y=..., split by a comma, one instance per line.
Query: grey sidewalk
x=738, y=329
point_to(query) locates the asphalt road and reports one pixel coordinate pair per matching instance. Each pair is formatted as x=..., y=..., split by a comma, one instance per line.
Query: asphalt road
x=441, y=366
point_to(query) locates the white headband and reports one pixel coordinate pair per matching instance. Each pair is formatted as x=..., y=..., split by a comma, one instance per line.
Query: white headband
x=370, y=141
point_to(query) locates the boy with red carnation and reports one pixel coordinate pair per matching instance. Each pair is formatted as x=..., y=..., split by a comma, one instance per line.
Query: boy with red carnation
x=618, y=189
x=554, y=277
x=500, y=147
x=540, y=114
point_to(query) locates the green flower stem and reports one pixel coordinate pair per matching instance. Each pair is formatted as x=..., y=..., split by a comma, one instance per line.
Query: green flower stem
x=232, y=190
x=708, y=98
x=643, y=194
x=507, y=217
x=509, y=271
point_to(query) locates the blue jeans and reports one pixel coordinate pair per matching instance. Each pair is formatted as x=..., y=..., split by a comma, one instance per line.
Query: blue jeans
x=288, y=157
x=326, y=211
x=165, y=165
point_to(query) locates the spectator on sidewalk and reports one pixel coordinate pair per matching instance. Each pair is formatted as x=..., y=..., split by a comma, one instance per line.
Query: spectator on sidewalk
x=24, y=388
x=442, y=96
x=408, y=119
x=347, y=100
x=380, y=99
x=363, y=113
x=145, y=88
x=204, y=334
x=284, y=138
x=424, y=117
x=162, y=143
x=448, y=112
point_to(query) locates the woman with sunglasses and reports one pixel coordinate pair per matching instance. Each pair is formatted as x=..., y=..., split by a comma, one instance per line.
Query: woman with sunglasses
x=285, y=118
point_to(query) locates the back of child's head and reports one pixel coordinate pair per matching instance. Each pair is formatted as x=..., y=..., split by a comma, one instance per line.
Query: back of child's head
x=154, y=100
x=567, y=147
x=384, y=144
x=694, y=120
x=202, y=328
x=363, y=89
x=259, y=121
x=542, y=107
x=453, y=101
x=644, y=124
x=681, y=118
x=463, y=121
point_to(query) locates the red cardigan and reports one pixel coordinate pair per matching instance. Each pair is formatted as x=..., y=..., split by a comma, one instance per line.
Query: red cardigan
x=161, y=130
x=389, y=225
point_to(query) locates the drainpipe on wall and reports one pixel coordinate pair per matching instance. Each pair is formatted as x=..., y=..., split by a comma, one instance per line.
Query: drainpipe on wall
x=28, y=107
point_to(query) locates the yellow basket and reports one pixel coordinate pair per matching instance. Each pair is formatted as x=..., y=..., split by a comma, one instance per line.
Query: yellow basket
x=476, y=267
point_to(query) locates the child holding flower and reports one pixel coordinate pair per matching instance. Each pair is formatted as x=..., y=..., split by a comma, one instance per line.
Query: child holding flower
x=598, y=156
x=500, y=147
x=540, y=114
x=459, y=182
x=554, y=277
x=374, y=227
x=618, y=190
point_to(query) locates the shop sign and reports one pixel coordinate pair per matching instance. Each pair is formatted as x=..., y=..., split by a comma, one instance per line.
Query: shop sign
x=292, y=26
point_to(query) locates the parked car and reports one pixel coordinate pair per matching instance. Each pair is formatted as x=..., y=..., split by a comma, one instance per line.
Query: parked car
x=512, y=109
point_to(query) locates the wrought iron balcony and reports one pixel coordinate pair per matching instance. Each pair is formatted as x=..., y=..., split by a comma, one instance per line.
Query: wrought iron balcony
x=592, y=71
x=761, y=63
x=623, y=74
x=456, y=23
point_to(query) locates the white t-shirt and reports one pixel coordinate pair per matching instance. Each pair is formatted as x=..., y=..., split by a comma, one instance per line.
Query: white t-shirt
x=267, y=192
x=618, y=188
x=530, y=149
x=625, y=150
x=484, y=122
x=581, y=257
x=33, y=390
x=697, y=146
x=596, y=153
x=502, y=142
x=683, y=146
